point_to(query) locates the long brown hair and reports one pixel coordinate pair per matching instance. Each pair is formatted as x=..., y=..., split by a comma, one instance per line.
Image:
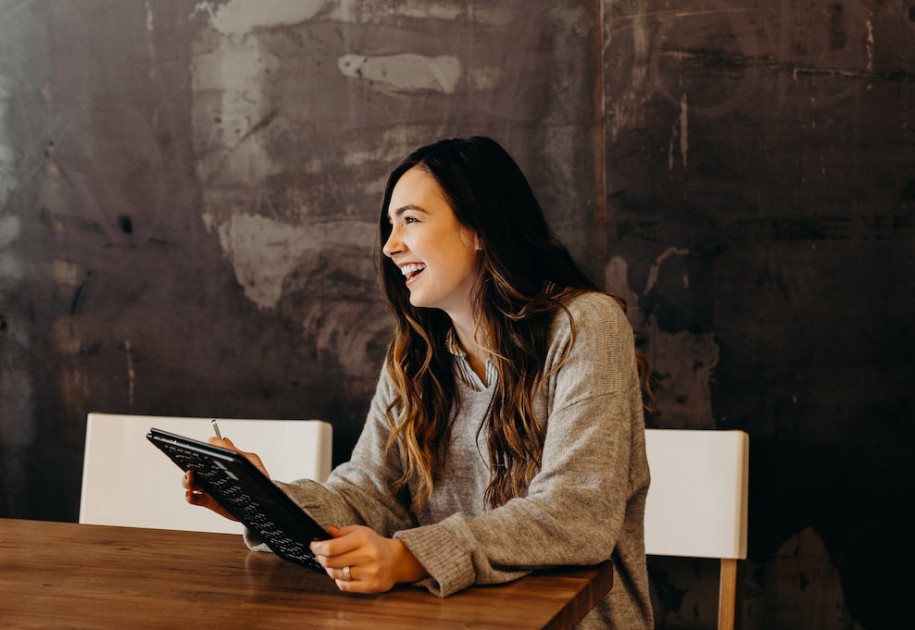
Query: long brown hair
x=525, y=276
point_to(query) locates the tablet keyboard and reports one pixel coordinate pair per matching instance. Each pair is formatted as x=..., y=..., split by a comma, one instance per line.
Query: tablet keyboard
x=227, y=487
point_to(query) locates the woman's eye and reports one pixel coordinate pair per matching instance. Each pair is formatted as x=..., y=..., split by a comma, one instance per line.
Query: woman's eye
x=410, y=220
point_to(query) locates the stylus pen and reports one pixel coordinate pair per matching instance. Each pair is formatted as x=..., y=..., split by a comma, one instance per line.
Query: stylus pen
x=216, y=428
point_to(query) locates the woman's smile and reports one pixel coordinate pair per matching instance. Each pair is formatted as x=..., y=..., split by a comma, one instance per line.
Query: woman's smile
x=411, y=271
x=436, y=254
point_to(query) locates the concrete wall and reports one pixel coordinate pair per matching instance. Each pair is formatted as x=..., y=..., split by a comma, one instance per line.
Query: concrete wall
x=189, y=192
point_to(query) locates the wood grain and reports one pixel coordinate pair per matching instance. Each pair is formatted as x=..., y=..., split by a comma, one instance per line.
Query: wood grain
x=64, y=575
x=727, y=594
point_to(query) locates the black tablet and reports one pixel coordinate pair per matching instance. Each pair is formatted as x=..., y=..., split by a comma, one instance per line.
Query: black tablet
x=247, y=494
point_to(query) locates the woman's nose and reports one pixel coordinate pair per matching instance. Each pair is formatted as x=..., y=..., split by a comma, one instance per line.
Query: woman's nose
x=393, y=245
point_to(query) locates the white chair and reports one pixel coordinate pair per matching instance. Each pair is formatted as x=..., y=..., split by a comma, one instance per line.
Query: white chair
x=128, y=481
x=697, y=502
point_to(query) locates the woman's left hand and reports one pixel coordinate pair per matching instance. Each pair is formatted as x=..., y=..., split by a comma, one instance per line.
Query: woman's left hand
x=372, y=563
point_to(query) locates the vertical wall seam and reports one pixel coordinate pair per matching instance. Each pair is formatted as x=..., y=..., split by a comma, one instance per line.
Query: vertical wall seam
x=600, y=207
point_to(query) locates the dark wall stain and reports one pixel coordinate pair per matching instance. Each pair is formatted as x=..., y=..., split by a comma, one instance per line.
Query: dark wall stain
x=836, y=27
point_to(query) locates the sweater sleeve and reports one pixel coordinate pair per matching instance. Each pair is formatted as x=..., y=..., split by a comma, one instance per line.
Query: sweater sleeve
x=588, y=496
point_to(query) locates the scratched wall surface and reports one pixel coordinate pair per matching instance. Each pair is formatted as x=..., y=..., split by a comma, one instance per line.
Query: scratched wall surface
x=191, y=194
x=761, y=203
x=188, y=199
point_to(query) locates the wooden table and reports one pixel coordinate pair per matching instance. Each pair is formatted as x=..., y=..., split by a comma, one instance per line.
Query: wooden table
x=69, y=576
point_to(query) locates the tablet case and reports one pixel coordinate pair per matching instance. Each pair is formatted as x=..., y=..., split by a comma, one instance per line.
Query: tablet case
x=247, y=494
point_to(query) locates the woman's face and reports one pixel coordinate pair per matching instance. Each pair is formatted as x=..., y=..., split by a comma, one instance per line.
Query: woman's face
x=436, y=254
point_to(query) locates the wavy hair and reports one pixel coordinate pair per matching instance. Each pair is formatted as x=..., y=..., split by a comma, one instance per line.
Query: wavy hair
x=525, y=276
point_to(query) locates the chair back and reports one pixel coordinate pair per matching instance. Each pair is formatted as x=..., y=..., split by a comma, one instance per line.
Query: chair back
x=128, y=481
x=698, y=501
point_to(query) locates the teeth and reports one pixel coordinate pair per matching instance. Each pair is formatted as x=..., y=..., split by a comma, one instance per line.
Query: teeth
x=409, y=270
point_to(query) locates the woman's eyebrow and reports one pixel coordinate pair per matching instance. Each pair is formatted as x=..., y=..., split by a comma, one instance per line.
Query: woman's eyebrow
x=399, y=211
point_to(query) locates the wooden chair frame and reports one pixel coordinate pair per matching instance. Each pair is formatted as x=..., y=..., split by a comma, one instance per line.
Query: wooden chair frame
x=698, y=503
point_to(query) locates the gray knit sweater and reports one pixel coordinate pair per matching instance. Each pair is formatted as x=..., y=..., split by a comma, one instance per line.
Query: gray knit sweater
x=584, y=506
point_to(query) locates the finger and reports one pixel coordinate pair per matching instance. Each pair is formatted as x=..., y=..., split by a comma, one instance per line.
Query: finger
x=254, y=458
x=340, y=574
x=337, y=563
x=196, y=497
x=202, y=499
x=189, y=482
x=357, y=585
x=351, y=585
x=223, y=442
x=335, y=548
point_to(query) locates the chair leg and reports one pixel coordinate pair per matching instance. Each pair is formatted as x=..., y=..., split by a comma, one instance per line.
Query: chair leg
x=727, y=594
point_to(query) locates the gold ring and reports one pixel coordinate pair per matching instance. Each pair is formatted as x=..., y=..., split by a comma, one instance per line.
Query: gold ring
x=346, y=574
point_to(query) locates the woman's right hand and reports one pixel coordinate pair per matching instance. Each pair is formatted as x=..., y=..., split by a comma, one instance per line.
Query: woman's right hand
x=195, y=495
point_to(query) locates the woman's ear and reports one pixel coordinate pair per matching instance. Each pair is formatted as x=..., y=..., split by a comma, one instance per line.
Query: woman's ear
x=477, y=243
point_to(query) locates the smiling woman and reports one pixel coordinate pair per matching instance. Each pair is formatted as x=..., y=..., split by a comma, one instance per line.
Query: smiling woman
x=506, y=433
x=434, y=251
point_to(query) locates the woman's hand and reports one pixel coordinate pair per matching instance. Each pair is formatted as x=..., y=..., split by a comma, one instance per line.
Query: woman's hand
x=375, y=563
x=195, y=495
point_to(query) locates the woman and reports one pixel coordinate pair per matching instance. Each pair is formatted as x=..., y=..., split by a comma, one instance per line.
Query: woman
x=506, y=432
